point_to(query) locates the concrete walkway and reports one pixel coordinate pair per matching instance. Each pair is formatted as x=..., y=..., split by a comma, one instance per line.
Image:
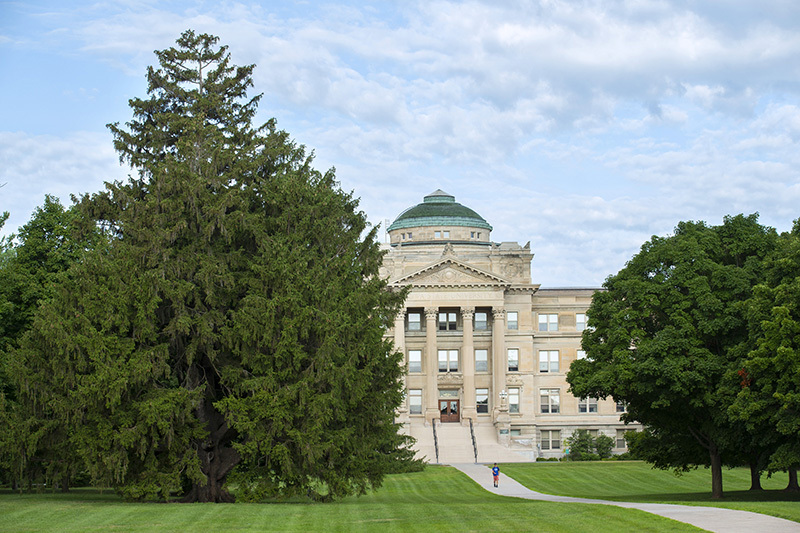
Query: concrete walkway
x=708, y=518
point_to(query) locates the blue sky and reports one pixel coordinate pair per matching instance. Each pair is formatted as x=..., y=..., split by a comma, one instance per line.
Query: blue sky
x=582, y=126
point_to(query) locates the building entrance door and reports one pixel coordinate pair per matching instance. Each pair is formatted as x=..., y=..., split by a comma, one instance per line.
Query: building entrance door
x=449, y=411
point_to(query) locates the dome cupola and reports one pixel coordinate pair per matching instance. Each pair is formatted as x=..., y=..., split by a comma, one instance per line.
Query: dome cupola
x=439, y=218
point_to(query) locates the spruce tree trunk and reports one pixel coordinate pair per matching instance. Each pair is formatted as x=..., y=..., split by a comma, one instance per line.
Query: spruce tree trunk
x=792, y=486
x=716, y=473
x=217, y=456
x=755, y=476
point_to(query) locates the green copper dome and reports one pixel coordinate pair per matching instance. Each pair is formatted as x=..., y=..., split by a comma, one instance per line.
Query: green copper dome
x=439, y=209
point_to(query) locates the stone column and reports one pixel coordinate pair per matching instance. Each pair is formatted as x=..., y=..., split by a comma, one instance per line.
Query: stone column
x=432, y=365
x=499, y=358
x=469, y=410
x=400, y=346
x=400, y=332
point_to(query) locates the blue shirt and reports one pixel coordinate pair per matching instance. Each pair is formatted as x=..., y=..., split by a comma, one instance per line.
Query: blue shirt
x=496, y=470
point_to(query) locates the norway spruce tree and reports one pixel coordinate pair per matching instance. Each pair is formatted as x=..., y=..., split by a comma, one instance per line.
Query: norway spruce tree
x=237, y=317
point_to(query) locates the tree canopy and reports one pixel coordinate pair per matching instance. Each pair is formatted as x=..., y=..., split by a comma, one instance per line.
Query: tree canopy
x=31, y=265
x=768, y=401
x=668, y=329
x=235, y=319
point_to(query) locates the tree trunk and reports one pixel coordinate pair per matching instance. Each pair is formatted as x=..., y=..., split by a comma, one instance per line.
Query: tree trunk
x=217, y=458
x=755, y=476
x=716, y=472
x=792, y=486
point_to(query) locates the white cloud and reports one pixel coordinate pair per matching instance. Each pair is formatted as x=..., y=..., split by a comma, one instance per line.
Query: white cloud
x=584, y=126
x=32, y=166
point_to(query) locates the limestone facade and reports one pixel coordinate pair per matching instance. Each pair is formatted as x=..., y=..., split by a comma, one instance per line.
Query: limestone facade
x=481, y=341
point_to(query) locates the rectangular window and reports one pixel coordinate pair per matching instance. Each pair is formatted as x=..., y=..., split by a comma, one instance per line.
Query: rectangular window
x=447, y=321
x=511, y=319
x=472, y=234
x=414, y=361
x=513, y=360
x=446, y=234
x=482, y=400
x=550, y=400
x=621, y=442
x=548, y=322
x=404, y=236
x=581, y=354
x=548, y=360
x=409, y=235
x=415, y=401
x=516, y=432
x=513, y=400
x=587, y=405
x=414, y=321
x=448, y=360
x=481, y=321
x=550, y=439
x=580, y=321
x=437, y=234
x=622, y=406
x=481, y=360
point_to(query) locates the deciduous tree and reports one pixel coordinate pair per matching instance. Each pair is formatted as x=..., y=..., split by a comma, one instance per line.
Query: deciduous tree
x=31, y=265
x=768, y=401
x=665, y=332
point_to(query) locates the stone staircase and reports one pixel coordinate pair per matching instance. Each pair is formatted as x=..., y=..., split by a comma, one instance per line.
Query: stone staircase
x=455, y=444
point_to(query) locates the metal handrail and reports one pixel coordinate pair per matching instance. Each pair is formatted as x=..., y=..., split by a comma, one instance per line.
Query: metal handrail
x=474, y=443
x=435, y=440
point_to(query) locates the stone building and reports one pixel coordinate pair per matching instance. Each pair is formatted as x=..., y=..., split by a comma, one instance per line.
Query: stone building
x=487, y=350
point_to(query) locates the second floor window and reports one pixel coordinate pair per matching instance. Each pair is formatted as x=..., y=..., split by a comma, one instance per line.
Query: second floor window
x=548, y=322
x=513, y=360
x=587, y=405
x=447, y=321
x=580, y=321
x=415, y=361
x=550, y=401
x=481, y=360
x=448, y=360
x=548, y=361
x=512, y=319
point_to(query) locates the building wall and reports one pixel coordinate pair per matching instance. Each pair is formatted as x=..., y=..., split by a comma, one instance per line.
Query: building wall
x=471, y=278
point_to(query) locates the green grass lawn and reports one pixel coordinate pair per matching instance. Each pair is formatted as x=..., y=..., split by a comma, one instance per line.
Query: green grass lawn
x=635, y=481
x=438, y=499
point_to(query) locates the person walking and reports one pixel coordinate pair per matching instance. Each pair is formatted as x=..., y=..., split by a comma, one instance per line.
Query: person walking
x=496, y=474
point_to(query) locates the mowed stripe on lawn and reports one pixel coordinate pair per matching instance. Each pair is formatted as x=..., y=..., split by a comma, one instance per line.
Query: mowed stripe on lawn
x=440, y=498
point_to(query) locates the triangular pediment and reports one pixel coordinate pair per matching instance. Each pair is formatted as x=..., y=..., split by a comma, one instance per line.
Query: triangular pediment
x=453, y=273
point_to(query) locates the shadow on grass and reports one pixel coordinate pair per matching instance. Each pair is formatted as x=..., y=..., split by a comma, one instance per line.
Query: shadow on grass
x=82, y=494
